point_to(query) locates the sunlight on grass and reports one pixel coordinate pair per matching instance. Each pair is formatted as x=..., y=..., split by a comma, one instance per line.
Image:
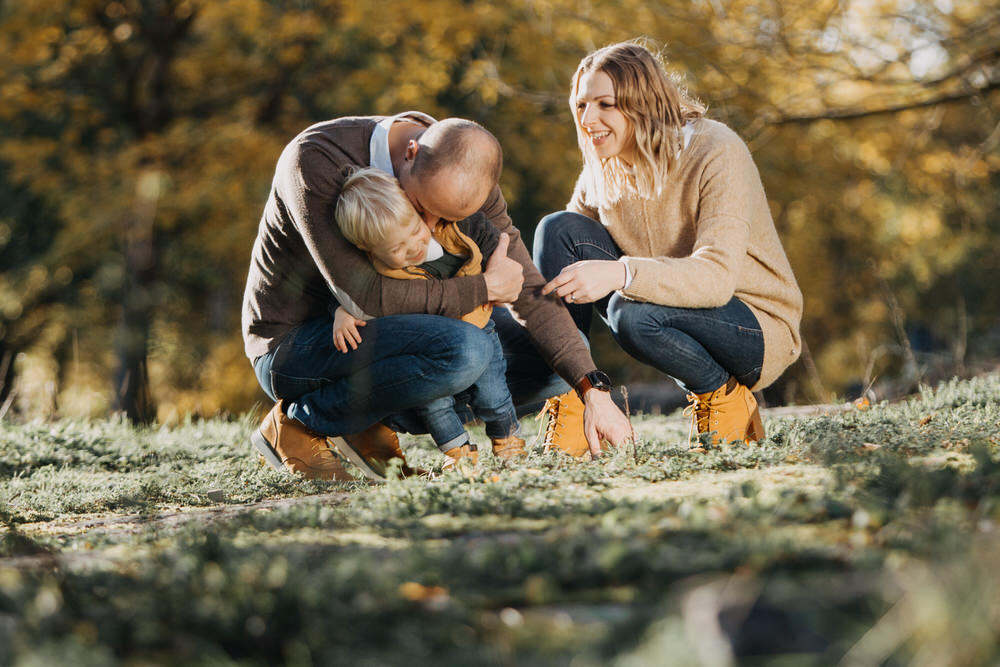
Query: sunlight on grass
x=865, y=535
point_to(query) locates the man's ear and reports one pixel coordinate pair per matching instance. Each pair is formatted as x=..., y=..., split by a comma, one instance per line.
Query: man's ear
x=412, y=147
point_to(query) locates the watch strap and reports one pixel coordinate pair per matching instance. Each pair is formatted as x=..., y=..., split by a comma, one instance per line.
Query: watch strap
x=593, y=380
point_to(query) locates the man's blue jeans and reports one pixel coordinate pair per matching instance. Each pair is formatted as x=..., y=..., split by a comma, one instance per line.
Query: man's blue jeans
x=402, y=362
x=488, y=398
x=698, y=347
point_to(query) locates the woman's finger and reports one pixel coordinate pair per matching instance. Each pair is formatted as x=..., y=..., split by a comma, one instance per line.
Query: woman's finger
x=566, y=276
x=569, y=285
x=555, y=284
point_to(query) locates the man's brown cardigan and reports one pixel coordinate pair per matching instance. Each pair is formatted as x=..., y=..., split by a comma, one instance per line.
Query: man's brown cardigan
x=299, y=255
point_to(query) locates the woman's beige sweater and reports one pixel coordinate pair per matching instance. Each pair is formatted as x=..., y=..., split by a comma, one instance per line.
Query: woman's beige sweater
x=707, y=237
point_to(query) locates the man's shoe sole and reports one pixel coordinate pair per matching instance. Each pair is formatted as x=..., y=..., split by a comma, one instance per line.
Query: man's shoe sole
x=356, y=459
x=261, y=444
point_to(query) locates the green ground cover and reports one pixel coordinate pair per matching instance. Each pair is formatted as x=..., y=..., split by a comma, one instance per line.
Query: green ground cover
x=856, y=536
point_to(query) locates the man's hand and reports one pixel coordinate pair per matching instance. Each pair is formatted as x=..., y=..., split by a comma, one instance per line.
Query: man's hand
x=504, y=276
x=345, y=330
x=588, y=280
x=603, y=420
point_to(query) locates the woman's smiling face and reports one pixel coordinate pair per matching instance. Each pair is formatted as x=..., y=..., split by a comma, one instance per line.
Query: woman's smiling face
x=600, y=120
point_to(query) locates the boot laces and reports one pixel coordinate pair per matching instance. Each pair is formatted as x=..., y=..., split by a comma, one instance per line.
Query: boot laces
x=700, y=413
x=322, y=450
x=550, y=411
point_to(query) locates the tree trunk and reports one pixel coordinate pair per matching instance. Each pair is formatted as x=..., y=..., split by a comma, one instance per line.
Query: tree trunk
x=7, y=355
x=147, y=101
x=132, y=395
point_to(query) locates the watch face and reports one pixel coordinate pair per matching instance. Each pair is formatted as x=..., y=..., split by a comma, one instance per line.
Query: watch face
x=599, y=380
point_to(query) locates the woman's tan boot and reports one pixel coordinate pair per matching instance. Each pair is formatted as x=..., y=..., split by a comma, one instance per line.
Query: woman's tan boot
x=730, y=414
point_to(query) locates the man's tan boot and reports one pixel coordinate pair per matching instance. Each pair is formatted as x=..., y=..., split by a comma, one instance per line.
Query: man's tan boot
x=467, y=452
x=287, y=445
x=730, y=413
x=565, y=427
x=509, y=447
x=372, y=449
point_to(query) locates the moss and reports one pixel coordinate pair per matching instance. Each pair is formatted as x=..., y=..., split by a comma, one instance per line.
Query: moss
x=793, y=549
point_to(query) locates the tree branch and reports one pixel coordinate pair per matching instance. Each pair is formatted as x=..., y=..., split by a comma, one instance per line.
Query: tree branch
x=851, y=114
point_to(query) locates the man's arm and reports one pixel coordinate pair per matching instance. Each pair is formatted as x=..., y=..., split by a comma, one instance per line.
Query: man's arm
x=549, y=324
x=308, y=182
x=545, y=317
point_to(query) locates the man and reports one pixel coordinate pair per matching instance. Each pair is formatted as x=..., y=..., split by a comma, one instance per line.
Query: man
x=449, y=170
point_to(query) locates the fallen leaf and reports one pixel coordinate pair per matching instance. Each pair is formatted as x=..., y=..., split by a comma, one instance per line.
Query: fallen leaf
x=416, y=592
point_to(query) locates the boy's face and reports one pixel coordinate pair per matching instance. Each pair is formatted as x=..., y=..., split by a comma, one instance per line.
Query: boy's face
x=404, y=245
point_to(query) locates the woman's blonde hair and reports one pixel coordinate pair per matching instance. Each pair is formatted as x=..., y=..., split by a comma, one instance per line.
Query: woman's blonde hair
x=657, y=108
x=371, y=203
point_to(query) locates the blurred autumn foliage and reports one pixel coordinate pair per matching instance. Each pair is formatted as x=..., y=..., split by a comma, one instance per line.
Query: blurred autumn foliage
x=138, y=139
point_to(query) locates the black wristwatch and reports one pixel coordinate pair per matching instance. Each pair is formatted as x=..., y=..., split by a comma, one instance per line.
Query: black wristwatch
x=598, y=380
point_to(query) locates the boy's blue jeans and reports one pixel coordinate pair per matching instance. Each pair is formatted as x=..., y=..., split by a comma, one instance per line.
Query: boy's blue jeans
x=403, y=362
x=488, y=398
x=698, y=347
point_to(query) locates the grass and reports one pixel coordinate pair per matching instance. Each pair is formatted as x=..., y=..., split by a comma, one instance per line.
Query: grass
x=859, y=536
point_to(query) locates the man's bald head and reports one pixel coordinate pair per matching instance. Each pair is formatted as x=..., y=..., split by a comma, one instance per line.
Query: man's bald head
x=463, y=151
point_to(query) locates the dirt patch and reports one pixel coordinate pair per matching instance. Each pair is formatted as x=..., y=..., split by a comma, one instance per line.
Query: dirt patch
x=712, y=484
x=117, y=526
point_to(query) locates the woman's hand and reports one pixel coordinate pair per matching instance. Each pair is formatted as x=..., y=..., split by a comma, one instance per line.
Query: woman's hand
x=345, y=330
x=587, y=281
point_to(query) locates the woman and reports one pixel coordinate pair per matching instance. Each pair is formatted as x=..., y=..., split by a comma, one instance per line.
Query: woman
x=669, y=236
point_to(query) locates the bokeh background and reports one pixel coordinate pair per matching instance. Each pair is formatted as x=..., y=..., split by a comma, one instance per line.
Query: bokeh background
x=138, y=140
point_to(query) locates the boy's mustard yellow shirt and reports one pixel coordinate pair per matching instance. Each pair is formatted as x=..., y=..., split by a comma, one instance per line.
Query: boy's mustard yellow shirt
x=454, y=242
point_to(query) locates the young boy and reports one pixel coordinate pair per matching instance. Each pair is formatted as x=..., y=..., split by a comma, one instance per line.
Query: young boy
x=375, y=215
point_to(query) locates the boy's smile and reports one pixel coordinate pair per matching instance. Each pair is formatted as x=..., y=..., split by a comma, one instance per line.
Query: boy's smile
x=404, y=245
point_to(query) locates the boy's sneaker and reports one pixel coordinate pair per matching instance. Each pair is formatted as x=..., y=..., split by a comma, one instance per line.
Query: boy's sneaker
x=288, y=446
x=467, y=452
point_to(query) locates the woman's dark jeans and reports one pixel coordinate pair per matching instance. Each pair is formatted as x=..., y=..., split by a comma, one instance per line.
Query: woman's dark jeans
x=698, y=347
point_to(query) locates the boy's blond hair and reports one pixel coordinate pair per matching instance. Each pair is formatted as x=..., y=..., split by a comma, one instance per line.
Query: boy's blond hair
x=371, y=203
